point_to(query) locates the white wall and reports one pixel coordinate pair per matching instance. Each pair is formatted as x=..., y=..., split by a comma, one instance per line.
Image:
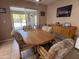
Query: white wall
x=52, y=10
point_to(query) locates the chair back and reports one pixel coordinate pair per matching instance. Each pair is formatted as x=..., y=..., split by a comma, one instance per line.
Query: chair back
x=47, y=28
x=60, y=49
x=27, y=28
x=68, y=42
x=18, y=37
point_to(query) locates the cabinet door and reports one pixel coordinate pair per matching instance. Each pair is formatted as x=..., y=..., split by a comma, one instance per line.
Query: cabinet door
x=72, y=32
x=65, y=32
x=57, y=29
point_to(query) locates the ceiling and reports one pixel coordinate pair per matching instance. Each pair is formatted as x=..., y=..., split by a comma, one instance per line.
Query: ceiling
x=46, y=2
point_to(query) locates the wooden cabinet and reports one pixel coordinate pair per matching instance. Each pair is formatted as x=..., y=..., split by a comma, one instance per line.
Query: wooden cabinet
x=68, y=32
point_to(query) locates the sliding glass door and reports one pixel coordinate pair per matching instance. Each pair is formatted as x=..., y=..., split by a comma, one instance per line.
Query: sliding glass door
x=24, y=17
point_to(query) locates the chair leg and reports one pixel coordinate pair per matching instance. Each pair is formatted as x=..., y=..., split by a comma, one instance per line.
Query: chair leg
x=20, y=55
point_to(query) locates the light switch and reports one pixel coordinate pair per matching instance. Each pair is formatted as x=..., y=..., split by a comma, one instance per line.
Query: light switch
x=4, y=21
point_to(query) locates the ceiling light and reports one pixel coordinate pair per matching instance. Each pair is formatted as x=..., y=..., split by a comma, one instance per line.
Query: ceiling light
x=38, y=0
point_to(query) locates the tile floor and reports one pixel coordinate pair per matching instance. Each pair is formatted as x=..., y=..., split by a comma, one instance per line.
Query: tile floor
x=10, y=50
x=5, y=50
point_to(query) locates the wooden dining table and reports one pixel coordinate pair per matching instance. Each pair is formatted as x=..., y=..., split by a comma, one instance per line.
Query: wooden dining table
x=36, y=37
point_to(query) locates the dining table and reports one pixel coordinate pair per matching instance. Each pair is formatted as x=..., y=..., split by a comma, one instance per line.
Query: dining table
x=36, y=37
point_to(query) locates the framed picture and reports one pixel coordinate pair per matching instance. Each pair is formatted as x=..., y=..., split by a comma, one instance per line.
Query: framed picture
x=42, y=13
x=2, y=10
x=64, y=11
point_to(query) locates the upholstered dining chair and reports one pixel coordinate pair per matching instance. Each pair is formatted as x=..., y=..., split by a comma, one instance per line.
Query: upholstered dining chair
x=27, y=28
x=47, y=28
x=56, y=51
x=19, y=39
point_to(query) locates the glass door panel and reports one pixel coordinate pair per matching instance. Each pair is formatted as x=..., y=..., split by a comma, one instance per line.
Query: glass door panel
x=19, y=21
